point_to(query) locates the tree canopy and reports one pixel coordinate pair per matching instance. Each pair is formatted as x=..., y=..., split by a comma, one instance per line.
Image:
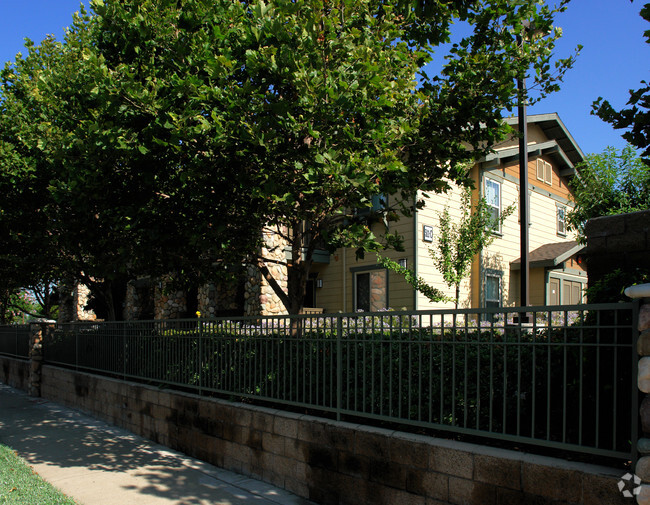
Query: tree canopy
x=164, y=136
x=613, y=182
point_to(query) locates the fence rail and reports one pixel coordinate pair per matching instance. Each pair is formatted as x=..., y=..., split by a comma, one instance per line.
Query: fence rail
x=14, y=340
x=565, y=379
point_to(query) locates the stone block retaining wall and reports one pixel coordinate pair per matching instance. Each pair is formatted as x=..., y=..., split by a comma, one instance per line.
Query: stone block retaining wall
x=327, y=461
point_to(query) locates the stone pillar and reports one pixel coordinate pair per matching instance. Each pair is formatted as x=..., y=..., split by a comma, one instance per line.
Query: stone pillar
x=260, y=298
x=642, y=469
x=37, y=332
x=168, y=303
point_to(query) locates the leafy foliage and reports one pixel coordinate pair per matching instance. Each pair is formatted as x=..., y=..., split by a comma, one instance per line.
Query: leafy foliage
x=418, y=283
x=621, y=180
x=162, y=137
x=459, y=242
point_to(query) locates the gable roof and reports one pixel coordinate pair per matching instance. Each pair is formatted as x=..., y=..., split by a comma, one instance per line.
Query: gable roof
x=550, y=255
x=561, y=145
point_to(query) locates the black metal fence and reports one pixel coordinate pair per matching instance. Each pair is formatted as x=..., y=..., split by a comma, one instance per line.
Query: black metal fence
x=562, y=377
x=14, y=340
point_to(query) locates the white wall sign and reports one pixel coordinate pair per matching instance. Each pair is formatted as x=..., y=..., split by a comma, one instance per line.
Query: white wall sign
x=427, y=233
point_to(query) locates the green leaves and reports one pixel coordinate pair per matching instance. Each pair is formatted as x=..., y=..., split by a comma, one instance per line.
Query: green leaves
x=243, y=114
x=620, y=179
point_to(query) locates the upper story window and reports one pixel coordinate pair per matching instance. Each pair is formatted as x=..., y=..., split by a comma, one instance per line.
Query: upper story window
x=493, y=199
x=544, y=171
x=561, y=220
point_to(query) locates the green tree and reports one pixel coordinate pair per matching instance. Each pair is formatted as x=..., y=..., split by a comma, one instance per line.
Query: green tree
x=635, y=118
x=613, y=182
x=460, y=241
x=168, y=134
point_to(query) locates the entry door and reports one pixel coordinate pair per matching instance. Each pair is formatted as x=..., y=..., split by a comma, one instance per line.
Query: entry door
x=554, y=291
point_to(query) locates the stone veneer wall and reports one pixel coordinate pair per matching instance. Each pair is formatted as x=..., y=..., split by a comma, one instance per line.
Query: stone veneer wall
x=168, y=304
x=260, y=299
x=642, y=469
x=333, y=462
x=620, y=241
x=73, y=303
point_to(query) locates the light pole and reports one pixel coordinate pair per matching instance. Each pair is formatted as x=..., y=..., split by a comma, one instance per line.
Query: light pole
x=523, y=194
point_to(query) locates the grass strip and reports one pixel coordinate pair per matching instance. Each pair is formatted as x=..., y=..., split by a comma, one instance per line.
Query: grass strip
x=21, y=485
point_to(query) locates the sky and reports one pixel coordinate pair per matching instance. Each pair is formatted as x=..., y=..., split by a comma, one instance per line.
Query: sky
x=614, y=58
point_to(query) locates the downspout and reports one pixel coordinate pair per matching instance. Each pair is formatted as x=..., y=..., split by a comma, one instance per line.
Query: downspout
x=345, y=284
x=415, y=249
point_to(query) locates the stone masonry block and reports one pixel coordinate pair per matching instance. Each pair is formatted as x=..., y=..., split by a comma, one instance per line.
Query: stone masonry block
x=451, y=462
x=372, y=445
x=338, y=436
x=642, y=469
x=498, y=471
x=643, y=344
x=603, y=226
x=390, y=474
x=643, y=498
x=261, y=421
x=409, y=453
x=644, y=317
x=240, y=417
x=555, y=483
x=354, y=464
x=290, y=467
x=285, y=427
x=311, y=430
x=469, y=492
x=638, y=221
x=273, y=443
x=644, y=374
x=428, y=484
x=297, y=487
x=630, y=241
x=296, y=449
x=322, y=457
x=603, y=490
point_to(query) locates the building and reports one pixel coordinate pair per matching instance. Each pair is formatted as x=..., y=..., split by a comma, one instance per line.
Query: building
x=339, y=282
x=557, y=275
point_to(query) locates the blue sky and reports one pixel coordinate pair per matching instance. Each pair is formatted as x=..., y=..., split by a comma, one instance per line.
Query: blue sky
x=614, y=58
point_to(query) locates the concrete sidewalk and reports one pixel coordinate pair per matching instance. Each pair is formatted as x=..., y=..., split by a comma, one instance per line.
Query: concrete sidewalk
x=98, y=464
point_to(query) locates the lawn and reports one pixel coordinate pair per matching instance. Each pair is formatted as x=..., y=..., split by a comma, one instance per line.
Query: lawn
x=20, y=485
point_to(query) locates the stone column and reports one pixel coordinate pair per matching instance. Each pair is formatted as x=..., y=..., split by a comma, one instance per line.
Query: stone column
x=642, y=469
x=37, y=332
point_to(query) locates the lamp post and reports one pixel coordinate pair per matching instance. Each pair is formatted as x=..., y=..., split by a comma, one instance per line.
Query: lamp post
x=523, y=195
x=523, y=186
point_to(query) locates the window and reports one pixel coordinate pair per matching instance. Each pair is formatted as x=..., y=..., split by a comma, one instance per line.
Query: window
x=544, y=171
x=493, y=199
x=493, y=289
x=561, y=220
x=371, y=290
x=377, y=204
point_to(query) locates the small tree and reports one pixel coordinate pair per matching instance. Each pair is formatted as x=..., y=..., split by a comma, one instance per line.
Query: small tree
x=461, y=241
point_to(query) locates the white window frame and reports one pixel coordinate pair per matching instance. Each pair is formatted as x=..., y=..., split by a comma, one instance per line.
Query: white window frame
x=561, y=223
x=496, y=275
x=544, y=171
x=497, y=184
